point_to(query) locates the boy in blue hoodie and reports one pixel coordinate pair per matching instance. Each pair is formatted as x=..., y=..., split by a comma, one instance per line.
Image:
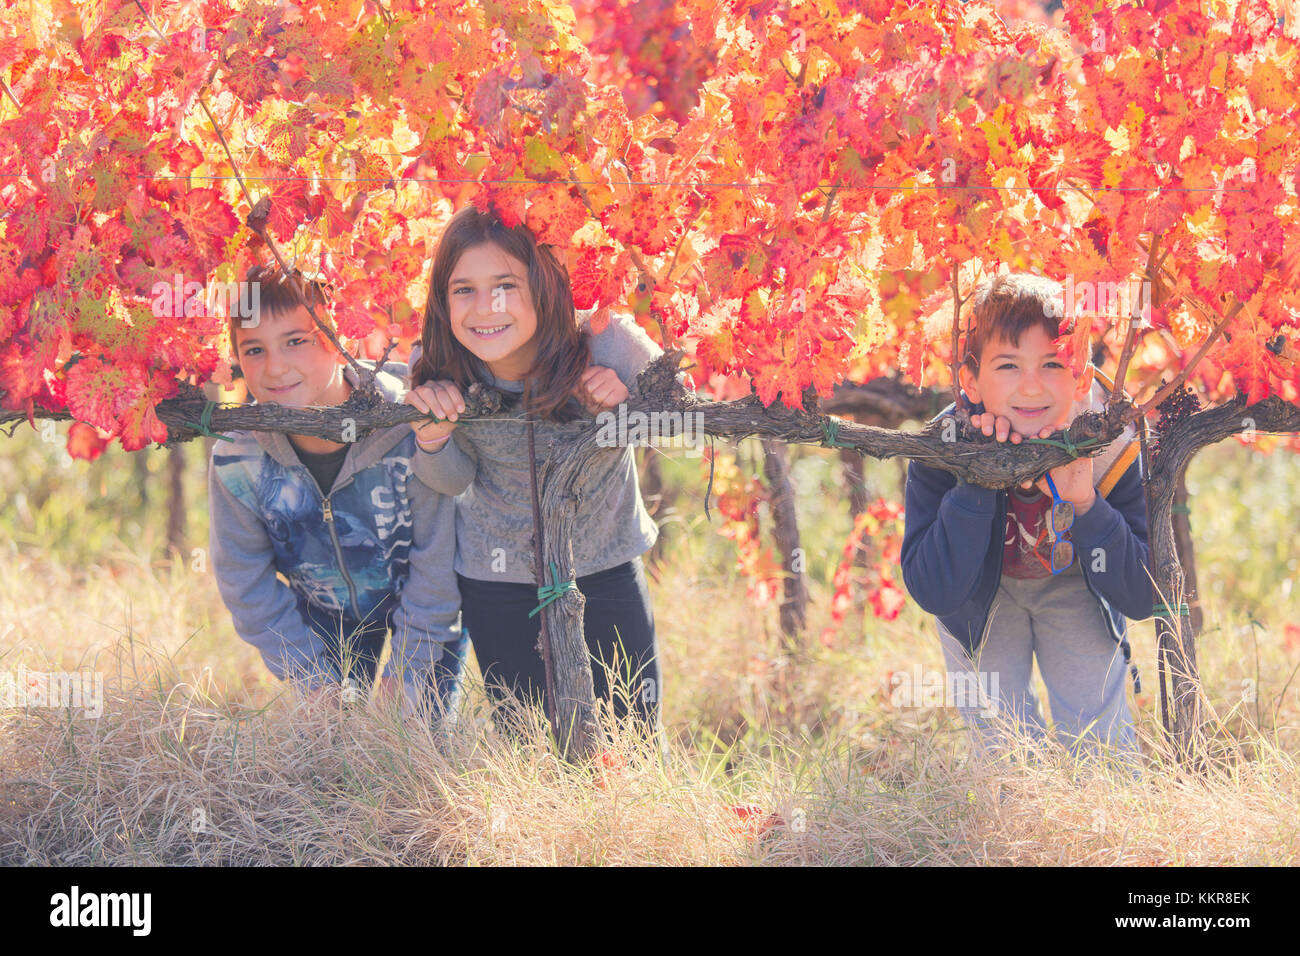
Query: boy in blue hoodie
x=363, y=548
x=1030, y=573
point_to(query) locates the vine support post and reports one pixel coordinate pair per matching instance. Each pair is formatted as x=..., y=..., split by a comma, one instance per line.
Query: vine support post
x=854, y=474
x=572, y=695
x=539, y=575
x=140, y=476
x=855, y=482
x=212, y=393
x=1176, y=627
x=1182, y=521
x=1135, y=322
x=785, y=531
x=1175, y=633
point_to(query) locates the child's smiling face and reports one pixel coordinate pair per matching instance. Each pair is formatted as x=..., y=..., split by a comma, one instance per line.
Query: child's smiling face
x=1030, y=383
x=285, y=360
x=491, y=310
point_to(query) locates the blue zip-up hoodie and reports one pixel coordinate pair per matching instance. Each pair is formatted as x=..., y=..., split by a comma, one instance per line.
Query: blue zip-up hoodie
x=954, y=536
x=380, y=544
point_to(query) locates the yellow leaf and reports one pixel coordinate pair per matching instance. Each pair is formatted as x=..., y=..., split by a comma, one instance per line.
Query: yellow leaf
x=1204, y=222
x=1133, y=118
x=1112, y=170
x=1270, y=88
x=774, y=104
x=1219, y=72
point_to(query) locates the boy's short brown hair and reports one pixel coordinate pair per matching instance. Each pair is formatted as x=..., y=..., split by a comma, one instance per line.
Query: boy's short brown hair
x=276, y=295
x=1005, y=307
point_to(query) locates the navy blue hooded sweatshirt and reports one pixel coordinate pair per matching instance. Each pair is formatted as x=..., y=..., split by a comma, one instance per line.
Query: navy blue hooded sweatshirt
x=953, y=546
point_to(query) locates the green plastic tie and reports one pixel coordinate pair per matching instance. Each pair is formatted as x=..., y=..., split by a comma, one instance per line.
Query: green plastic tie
x=1169, y=611
x=831, y=434
x=1181, y=510
x=1067, y=446
x=549, y=592
x=204, y=425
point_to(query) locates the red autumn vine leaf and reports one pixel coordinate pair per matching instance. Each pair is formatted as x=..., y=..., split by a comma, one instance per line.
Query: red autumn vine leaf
x=555, y=213
x=19, y=380
x=207, y=222
x=84, y=442
x=593, y=284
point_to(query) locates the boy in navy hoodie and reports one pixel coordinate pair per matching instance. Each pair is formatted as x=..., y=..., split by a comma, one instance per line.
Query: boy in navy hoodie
x=1011, y=576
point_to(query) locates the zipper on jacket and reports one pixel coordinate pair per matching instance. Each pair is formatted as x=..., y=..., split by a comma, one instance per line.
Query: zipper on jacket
x=327, y=511
x=1101, y=602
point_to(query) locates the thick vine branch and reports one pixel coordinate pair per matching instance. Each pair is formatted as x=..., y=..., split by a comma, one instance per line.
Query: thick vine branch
x=10, y=94
x=945, y=444
x=1181, y=443
x=363, y=413
x=1181, y=708
x=830, y=198
x=891, y=399
x=657, y=393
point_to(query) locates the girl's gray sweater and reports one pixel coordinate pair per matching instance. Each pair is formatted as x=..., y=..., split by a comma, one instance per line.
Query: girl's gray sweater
x=486, y=464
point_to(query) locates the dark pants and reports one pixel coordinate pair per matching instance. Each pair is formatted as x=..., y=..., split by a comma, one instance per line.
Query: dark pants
x=352, y=648
x=352, y=652
x=617, y=621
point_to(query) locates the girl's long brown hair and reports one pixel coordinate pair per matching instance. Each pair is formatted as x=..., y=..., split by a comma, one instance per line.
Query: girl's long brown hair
x=563, y=353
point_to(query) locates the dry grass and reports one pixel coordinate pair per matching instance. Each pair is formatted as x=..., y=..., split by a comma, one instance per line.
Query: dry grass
x=200, y=757
x=193, y=730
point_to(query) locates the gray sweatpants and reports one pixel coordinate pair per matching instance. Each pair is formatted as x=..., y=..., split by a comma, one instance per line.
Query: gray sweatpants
x=1060, y=622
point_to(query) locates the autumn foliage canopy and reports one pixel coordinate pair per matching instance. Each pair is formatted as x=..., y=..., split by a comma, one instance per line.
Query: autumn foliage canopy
x=787, y=189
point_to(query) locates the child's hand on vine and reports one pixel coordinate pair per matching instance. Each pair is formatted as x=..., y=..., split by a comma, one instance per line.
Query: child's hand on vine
x=601, y=389
x=441, y=399
x=999, y=427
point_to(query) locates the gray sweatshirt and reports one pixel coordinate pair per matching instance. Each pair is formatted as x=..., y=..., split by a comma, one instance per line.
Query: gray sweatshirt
x=384, y=544
x=486, y=464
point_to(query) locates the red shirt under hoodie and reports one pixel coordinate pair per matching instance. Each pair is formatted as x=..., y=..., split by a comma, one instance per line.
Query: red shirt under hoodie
x=1028, y=542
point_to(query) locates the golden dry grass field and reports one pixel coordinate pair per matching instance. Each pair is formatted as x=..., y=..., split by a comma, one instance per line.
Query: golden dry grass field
x=201, y=757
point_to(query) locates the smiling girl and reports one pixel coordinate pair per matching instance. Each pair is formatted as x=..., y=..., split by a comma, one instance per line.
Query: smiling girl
x=500, y=312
